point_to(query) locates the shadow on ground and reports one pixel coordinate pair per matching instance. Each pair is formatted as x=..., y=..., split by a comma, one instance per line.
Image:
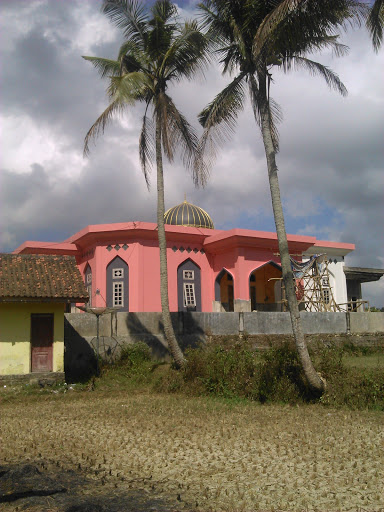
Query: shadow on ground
x=38, y=487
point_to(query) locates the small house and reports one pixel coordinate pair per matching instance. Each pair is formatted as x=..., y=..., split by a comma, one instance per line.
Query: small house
x=35, y=292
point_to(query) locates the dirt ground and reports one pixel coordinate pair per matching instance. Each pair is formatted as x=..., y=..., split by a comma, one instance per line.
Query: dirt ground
x=177, y=453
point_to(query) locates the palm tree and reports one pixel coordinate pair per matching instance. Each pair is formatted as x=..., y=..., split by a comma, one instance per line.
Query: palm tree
x=250, y=38
x=157, y=51
x=375, y=23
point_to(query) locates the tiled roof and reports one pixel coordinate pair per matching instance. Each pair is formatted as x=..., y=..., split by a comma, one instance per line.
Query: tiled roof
x=33, y=276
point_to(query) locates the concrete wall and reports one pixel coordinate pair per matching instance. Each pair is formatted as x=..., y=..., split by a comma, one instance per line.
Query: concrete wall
x=192, y=323
x=118, y=329
x=366, y=322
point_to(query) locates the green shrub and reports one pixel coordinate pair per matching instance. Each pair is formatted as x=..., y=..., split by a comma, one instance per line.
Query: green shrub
x=328, y=360
x=355, y=389
x=233, y=369
x=357, y=350
x=135, y=355
x=169, y=380
x=280, y=377
x=222, y=370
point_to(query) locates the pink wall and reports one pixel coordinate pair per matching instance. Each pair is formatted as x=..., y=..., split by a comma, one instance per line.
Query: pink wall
x=143, y=260
x=238, y=251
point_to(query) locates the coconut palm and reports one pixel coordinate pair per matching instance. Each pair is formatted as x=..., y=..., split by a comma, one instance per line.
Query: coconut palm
x=251, y=37
x=375, y=23
x=157, y=51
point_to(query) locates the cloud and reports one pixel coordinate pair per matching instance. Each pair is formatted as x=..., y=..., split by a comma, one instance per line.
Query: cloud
x=330, y=163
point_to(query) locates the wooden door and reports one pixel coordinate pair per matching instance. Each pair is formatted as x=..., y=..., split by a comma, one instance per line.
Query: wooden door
x=230, y=297
x=41, y=343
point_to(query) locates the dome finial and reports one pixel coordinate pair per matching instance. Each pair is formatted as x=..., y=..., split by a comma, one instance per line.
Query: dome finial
x=185, y=197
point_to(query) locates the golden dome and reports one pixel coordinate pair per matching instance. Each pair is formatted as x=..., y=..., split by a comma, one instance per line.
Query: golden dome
x=187, y=214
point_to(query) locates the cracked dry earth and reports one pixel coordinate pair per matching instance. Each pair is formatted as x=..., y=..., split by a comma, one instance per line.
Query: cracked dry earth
x=177, y=453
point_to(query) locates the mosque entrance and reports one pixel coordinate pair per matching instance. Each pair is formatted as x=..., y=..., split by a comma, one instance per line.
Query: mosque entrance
x=265, y=288
x=224, y=290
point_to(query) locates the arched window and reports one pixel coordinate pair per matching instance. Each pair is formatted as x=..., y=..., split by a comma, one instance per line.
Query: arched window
x=224, y=290
x=88, y=283
x=265, y=287
x=188, y=286
x=118, y=284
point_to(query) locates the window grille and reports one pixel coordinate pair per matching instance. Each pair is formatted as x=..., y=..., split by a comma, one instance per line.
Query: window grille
x=117, y=273
x=326, y=295
x=118, y=294
x=89, y=277
x=189, y=295
x=188, y=274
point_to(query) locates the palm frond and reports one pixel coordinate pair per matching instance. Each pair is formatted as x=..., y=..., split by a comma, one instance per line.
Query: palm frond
x=129, y=87
x=101, y=122
x=106, y=67
x=225, y=107
x=146, y=146
x=269, y=25
x=375, y=23
x=130, y=16
x=301, y=26
x=219, y=118
x=314, y=43
x=215, y=25
x=164, y=10
x=327, y=41
x=315, y=68
x=131, y=58
x=187, y=54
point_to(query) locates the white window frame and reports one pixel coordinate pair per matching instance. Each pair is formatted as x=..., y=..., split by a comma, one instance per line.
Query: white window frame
x=326, y=295
x=89, y=278
x=325, y=282
x=188, y=275
x=189, y=295
x=116, y=300
x=114, y=270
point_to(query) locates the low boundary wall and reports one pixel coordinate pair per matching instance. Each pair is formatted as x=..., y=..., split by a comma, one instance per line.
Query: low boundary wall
x=118, y=329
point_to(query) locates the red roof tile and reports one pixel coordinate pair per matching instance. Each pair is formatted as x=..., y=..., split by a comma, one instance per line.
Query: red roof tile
x=33, y=276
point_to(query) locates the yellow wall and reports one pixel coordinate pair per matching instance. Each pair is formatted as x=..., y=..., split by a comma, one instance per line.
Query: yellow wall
x=15, y=336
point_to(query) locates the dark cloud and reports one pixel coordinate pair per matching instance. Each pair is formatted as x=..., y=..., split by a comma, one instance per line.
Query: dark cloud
x=330, y=163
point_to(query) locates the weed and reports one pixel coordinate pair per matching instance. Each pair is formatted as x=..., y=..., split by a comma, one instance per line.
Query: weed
x=280, y=377
x=236, y=371
x=221, y=370
x=134, y=355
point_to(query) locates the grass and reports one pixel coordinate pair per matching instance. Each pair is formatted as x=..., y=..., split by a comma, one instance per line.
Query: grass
x=365, y=362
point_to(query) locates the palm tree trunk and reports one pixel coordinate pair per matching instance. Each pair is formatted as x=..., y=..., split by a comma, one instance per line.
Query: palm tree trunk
x=173, y=346
x=314, y=380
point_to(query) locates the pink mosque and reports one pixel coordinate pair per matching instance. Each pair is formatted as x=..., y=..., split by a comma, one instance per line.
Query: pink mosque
x=209, y=270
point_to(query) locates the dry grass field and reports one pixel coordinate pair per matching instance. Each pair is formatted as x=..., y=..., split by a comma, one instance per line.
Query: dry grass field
x=204, y=454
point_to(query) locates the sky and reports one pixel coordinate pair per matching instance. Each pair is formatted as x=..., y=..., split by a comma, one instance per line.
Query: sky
x=331, y=148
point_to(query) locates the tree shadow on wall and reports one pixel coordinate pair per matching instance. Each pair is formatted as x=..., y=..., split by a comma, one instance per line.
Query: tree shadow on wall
x=149, y=328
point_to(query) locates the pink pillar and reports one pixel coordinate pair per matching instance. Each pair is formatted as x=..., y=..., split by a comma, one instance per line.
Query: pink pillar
x=241, y=288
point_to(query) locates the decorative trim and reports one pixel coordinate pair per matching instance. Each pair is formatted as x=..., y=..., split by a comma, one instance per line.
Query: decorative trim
x=117, y=273
x=189, y=274
x=117, y=247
